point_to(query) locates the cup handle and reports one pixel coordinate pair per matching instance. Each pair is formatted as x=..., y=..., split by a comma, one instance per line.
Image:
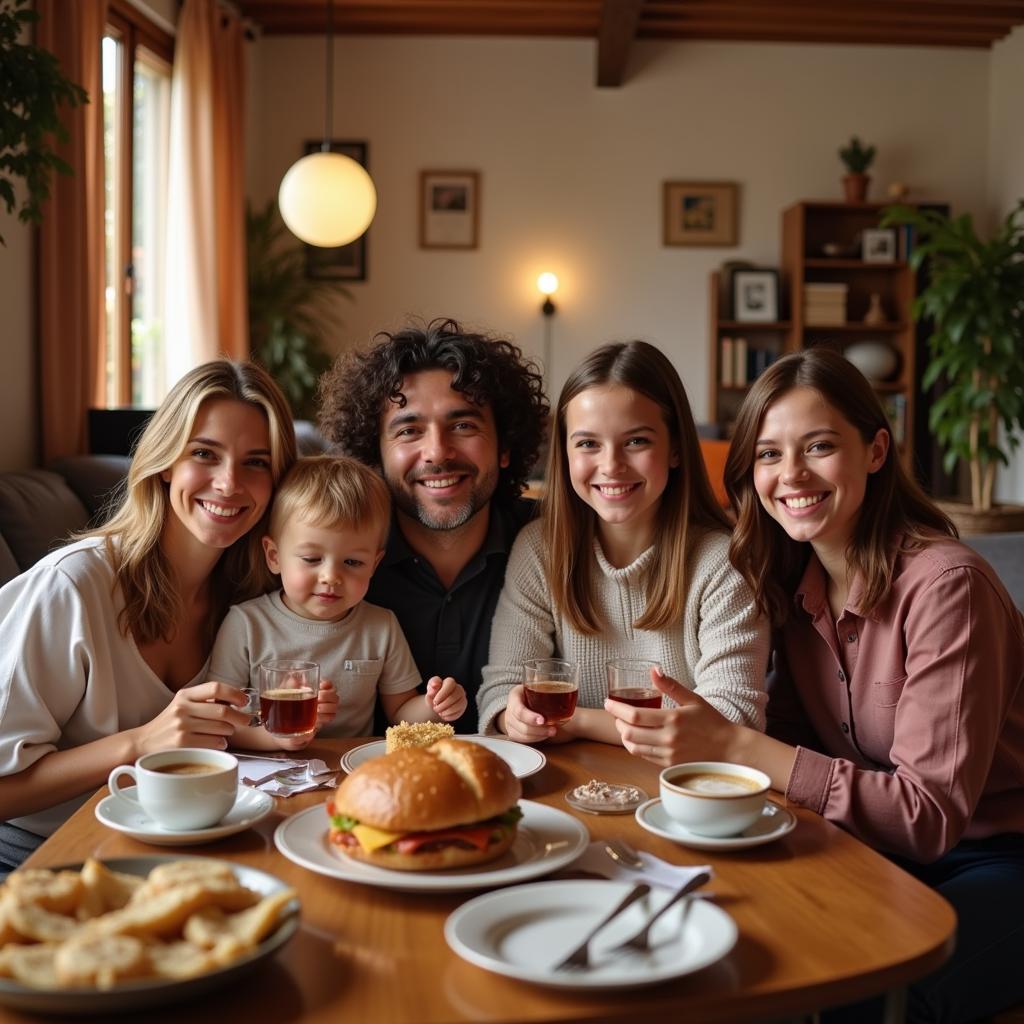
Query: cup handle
x=115, y=787
x=252, y=705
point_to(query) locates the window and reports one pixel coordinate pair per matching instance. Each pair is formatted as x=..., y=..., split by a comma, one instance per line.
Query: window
x=136, y=129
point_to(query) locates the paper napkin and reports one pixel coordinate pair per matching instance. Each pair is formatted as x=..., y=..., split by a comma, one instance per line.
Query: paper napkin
x=595, y=860
x=270, y=774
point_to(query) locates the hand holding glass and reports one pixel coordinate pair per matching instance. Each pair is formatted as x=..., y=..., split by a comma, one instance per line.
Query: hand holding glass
x=287, y=697
x=629, y=681
x=551, y=687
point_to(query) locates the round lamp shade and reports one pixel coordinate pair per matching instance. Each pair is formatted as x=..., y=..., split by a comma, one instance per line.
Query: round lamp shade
x=327, y=199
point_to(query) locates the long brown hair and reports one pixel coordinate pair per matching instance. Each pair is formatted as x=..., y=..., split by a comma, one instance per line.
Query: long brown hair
x=893, y=504
x=569, y=525
x=152, y=605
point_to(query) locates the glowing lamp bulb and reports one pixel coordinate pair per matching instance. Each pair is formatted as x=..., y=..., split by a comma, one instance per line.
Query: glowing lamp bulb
x=327, y=199
x=547, y=283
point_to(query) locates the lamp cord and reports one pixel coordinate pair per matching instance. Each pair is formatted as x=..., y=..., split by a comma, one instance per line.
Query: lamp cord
x=329, y=93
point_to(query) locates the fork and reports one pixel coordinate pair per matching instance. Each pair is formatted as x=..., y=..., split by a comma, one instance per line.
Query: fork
x=579, y=958
x=641, y=940
x=622, y=853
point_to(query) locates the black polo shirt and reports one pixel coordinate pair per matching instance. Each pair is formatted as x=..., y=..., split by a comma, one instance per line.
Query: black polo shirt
x=449, y=631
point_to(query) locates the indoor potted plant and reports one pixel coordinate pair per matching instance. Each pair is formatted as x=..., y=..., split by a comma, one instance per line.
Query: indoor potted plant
x=856, y=159
x=32, y=89
x=288, y=311
x=975, y=301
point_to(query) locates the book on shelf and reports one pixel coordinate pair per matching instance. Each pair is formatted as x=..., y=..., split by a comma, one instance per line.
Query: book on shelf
x=739, y=371
x=895, y=406
x=725, y=362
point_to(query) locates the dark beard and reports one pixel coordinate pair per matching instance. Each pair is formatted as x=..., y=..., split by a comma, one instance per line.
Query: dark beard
x=450, y=517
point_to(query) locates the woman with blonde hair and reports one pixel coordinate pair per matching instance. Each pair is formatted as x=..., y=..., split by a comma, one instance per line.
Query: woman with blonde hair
x=103, y=643
x=896, y=703
x=629, y=558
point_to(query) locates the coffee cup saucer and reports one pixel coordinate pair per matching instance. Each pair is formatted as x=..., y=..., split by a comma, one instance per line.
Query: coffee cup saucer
x=251, y=806
x=775, y=821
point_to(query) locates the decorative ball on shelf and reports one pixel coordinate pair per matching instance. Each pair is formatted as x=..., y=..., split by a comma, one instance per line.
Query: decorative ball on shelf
x=878, y=361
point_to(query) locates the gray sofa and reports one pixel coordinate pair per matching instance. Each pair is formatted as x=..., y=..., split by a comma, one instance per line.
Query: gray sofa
x=39, y=508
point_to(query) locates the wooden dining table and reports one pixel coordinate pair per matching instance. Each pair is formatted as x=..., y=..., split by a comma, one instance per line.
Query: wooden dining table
x=822, y=920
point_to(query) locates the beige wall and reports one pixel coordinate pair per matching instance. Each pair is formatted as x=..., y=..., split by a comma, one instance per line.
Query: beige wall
x=1006, y=181
x=572, y=174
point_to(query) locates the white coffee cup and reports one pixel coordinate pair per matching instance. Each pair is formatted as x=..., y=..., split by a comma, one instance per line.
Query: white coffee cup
x=713, y=798
x=180, y=790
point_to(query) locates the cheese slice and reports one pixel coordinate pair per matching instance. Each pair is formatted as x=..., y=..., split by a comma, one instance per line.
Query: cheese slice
x=371, y=838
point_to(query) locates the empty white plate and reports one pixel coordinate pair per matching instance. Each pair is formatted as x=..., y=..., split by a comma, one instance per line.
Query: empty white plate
x=251, y=806
x=774, y=823
x=521, y=758
x=524, y=931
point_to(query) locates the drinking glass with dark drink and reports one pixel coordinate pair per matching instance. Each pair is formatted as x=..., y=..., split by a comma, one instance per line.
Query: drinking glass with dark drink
x=288, y=697
x=629, y=681
x=551, y=687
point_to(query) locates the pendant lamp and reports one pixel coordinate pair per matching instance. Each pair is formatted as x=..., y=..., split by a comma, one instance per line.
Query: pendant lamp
x=325, y=198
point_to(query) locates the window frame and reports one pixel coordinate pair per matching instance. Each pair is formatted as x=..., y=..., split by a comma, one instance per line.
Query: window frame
x=133, y=30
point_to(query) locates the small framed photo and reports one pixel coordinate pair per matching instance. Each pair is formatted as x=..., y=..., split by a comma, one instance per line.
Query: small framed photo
x=699, y=213
x=755, y=296
x=341, y=262
x=878, y=245
x=449, y=209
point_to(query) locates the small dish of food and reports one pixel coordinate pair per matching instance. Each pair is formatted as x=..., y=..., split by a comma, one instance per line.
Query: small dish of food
x=597, y=797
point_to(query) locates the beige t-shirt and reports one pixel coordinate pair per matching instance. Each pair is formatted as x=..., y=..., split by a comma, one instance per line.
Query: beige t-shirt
x=363, y=653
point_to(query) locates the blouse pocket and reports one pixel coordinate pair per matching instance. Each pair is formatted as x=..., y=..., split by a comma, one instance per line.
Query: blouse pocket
x=887, y=695
x=363, y=667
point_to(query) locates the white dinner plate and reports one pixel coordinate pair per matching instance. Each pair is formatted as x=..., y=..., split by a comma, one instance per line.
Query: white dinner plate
x=773, y=824
x=547, y=839
x=522, y=759
x=523, y=932
x=251, y=806
x=136, y=995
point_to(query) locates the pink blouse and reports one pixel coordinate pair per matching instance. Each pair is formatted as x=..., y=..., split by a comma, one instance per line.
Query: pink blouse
x=909, y=723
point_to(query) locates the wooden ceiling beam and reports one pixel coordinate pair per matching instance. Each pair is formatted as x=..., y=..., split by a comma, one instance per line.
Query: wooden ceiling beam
x=788, y=12
x=619, y=21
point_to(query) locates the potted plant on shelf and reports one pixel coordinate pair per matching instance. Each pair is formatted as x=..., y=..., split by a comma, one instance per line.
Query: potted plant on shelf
x=288, y=311
x=975, y=301
x=856, y=159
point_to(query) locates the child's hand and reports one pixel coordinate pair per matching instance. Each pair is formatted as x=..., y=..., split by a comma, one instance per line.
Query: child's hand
x=326, y=704
x=446, y=698
x=520, y=723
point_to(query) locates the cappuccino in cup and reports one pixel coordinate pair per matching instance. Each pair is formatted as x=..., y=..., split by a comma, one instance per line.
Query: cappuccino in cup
x=713, y=798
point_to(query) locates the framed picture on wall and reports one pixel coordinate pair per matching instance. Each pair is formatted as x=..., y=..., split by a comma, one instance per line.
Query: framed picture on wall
x=878, y=245
x=341, y=262
x=755, y=296
x=699, y=213
x=449, y=209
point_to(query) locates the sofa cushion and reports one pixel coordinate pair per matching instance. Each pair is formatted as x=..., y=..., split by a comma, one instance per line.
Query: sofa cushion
x=96, y=479
x=37, y=512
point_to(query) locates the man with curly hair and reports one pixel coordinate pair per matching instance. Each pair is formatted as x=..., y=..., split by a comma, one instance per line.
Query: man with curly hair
x=454, y=421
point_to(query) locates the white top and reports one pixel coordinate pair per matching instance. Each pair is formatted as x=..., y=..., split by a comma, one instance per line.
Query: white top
x=720, y=649
x=68, y=675
x=363, y=653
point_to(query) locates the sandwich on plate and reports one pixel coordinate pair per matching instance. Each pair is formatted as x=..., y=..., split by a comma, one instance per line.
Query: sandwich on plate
x=450, y=805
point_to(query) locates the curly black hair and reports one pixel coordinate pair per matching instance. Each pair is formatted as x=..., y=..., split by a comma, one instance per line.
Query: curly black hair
x=488, y=371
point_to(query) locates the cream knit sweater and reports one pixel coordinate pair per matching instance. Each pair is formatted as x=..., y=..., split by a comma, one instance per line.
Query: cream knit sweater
x=720, y=649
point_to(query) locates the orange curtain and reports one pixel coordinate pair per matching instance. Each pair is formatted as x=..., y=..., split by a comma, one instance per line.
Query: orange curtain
x=71, y=318
x=206, y=293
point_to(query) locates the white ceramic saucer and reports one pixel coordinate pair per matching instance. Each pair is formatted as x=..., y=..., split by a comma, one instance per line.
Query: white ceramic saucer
x=774, y=823
x=251, y=806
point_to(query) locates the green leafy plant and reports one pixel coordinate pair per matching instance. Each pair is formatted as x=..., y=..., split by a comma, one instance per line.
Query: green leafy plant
x=856, y=157
x=975, y=300
x=288, y=311
x=32, y=89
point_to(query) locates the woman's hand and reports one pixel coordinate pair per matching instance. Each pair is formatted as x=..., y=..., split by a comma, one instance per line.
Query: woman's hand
x=693, y=731
x=198, y=716
x=521, y=724
x=446, y=698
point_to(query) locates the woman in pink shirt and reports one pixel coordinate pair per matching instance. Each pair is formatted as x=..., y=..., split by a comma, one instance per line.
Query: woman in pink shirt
x=896, y=708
